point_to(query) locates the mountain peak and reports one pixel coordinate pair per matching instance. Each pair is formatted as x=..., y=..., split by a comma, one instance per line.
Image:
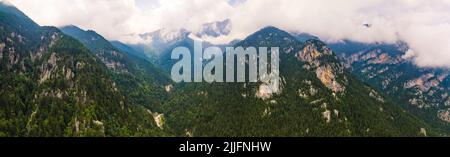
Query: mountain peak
x=270, y=28
x=15, y=17
x=164, y=35
x=273, y=31
x=215, y=29
x=97, y=42
x=273, y=36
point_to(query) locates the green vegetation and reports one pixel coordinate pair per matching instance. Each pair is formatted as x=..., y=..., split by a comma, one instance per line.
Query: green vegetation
x=232, y=109
x=55, y=86
x=76, y=83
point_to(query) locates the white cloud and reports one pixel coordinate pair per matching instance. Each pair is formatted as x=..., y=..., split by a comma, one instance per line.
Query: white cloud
x=105, y=16
x=423, y=24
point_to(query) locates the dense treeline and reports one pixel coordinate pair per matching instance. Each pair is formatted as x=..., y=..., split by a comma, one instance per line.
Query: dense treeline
x=67, y=84
x=51, y=85
x=232, y=109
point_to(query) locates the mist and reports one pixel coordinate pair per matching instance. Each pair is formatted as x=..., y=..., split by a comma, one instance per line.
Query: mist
x=422, y=24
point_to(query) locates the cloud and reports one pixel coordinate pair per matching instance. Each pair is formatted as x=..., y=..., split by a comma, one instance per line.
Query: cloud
x=423, y=24
x=124, y=19
x=105, y=16
x=235, y=2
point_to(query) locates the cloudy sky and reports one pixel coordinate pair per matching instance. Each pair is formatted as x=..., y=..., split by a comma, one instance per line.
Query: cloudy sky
x=423, y=24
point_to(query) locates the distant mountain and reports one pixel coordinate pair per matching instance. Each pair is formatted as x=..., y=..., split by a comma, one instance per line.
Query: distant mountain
x=215, y=29
x=315, y=97
x=52, y=85
x=164, y=60
x=156, y=43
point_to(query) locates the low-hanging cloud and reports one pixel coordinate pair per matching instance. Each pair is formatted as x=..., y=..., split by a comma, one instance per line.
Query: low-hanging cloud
x=423, y=24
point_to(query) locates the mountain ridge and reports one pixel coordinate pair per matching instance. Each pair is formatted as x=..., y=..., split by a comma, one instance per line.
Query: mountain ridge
x=51, y=85
x=301, y=98
x=76, y=83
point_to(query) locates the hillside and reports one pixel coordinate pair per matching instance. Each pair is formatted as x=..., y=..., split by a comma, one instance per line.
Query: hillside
x=316, y=97
x=52, y=85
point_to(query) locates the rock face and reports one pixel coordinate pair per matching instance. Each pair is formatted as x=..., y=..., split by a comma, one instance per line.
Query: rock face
x=329, y=78
x=386, y=67
x=327, y=116
x=159, y=119
x=2, y=46
x=81, y=96
x=267, y=89
x=311, y=54
x=444, y=115
x=423, y=131
x=48, y=68
x=318, y=56
x=168, y=88
x=308, y=91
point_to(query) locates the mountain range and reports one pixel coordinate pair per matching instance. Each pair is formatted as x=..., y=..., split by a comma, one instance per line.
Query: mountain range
x=72, y=82
x=422, y=90
x=153, y=43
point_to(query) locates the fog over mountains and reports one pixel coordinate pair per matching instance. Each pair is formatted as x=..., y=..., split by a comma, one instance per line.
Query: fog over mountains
x=346, y=69
x=423, y=25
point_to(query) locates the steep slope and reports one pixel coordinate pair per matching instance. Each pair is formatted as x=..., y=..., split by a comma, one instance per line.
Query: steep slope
x=142, y=82
x=316, y=97
x=425, y=91
x=51, y=85
x=164, y=60
x=129, y=50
